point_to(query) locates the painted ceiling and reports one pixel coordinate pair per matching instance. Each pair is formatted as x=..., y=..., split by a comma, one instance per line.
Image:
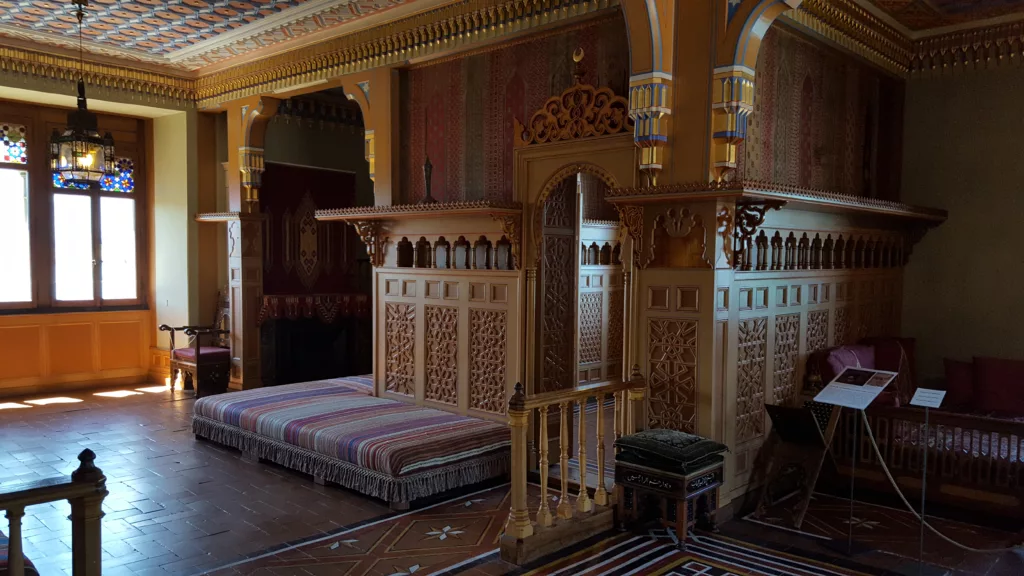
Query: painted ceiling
x=920, y=15
x=187, y=34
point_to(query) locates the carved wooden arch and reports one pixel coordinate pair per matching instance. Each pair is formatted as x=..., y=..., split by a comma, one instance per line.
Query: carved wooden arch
x=580, y=111
x=549, y=186
x=747, y=26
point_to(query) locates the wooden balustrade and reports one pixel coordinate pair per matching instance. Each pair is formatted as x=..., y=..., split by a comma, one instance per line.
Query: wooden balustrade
x=522, y=409
x=85, y=490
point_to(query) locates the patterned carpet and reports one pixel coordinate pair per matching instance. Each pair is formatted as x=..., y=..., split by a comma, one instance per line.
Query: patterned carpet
x=897, y=532
x=656, y=554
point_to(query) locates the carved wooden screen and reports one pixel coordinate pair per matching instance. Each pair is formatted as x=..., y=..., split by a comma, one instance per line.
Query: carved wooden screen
x=558, y=277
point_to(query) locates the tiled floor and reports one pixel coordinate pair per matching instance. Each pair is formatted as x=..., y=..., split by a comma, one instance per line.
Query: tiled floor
x=176, y=505
x=181, y=506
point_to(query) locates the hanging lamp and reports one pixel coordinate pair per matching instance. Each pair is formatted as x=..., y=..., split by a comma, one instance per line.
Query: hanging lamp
x=80, y=157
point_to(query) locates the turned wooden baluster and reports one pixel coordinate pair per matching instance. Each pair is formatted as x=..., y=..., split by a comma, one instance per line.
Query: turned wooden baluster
x=15, y=557
x=518, y=524
x=564, y=509
x=544, y=510
x=583, y=502
x=600, y=495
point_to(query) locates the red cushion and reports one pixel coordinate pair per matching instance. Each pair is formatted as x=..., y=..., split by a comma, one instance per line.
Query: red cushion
x=999, y=385
x=959, y=385
x=205, y=352
x=845, y=357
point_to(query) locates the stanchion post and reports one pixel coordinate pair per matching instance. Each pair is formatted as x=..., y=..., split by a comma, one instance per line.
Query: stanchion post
x=853, y=476
x=924, y=488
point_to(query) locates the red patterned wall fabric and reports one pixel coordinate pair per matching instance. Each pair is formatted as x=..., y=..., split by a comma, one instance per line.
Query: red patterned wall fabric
x=823, y=120
x=300, y=255
x=460, y=112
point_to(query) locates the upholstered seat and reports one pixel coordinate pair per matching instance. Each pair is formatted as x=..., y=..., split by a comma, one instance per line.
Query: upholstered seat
x=30, y=570
x=205, y=353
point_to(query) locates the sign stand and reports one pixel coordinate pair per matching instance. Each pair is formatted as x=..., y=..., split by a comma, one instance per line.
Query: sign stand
x=854, y=388
x=926, y=399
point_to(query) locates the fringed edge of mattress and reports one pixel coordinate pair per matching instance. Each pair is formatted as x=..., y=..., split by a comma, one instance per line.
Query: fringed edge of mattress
x=369, y=482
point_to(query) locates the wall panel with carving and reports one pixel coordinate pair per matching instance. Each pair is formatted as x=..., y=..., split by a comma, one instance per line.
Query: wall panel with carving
x=449, y=338
x=459, y=112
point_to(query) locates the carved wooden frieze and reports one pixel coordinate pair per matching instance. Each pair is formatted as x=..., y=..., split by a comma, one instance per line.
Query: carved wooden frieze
x=672, y=384
x=581, y=111
x=750, y=378
x=786, y=349
x=678, y=240
x=817, y=331
x=487, y=350
x=442, y=346
x=400, y=347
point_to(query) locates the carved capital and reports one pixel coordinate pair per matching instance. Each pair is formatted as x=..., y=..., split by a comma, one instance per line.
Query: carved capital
x=732, y=103
x=512, y=227
x=369, y=233
x=649, y=99
x=631, y=218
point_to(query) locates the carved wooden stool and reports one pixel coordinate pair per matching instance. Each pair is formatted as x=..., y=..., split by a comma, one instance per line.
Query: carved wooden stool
x=682, y=472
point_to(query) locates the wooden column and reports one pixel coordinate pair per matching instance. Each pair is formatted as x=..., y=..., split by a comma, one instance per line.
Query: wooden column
x=15, y=556
x=247, y=122
x=518, y=525
x=86, y=514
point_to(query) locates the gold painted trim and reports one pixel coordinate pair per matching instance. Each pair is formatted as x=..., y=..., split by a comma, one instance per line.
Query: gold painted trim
x=856, y=30
x=442, y=29
x=125, y=78
x=410, y=211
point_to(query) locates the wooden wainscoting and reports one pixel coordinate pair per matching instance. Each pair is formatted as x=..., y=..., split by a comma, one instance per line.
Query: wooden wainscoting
x=47, y=353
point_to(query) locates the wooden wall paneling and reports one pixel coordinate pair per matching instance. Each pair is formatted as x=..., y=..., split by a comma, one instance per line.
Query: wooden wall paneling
x=469, y=316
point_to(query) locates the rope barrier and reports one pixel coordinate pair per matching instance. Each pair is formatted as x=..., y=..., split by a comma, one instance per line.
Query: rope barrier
x=1019, y=549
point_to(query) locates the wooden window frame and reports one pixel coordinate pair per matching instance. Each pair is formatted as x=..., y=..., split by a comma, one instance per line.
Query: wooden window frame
x=39, y=122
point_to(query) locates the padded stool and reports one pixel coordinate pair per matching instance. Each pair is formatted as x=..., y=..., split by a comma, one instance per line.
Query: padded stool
x=682, y=471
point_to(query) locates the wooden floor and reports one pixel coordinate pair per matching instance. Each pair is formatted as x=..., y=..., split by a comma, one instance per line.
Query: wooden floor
x=176, y=505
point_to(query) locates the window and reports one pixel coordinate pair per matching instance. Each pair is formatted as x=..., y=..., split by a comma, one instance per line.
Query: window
x=15, y=256
x=64, y=247
x=94, y=239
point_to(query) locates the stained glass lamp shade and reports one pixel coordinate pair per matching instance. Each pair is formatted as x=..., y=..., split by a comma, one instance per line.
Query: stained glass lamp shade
x=80, y=156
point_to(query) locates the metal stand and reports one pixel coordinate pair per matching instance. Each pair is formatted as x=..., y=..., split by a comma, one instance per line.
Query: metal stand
x=924, y=488
x=853, y=478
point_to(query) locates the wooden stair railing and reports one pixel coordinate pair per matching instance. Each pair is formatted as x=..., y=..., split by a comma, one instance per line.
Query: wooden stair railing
x=521, y=408
x=85, y=490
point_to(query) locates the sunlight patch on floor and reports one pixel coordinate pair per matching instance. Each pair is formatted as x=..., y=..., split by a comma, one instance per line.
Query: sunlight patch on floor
x=118, y=394
x=154, y=389
x=53, y=400
x=12, y=405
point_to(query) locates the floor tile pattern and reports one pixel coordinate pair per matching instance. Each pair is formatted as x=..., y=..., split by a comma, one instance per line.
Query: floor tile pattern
x=176, y=505
x=896, y=533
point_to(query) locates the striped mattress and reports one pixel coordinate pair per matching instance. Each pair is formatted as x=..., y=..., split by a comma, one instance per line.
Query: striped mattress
x=339, y=419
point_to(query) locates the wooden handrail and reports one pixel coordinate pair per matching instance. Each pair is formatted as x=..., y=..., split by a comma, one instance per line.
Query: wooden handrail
x=576, y=394
x=523, y=409
x=85, y=490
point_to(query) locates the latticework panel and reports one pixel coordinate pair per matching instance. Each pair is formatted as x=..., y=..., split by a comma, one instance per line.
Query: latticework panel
x=591, y=309
x=750, y=368
x=442, y=340
x=817, y=331
x=672, y=358
x=400, y=346
x=843, y=331
x=487, y=368
x=615, y=327
x=558, y=314
x=787, y=347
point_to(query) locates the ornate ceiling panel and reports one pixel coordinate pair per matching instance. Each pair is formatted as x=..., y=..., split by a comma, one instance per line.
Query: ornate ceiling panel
x=921, y=15
x=185, y=34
